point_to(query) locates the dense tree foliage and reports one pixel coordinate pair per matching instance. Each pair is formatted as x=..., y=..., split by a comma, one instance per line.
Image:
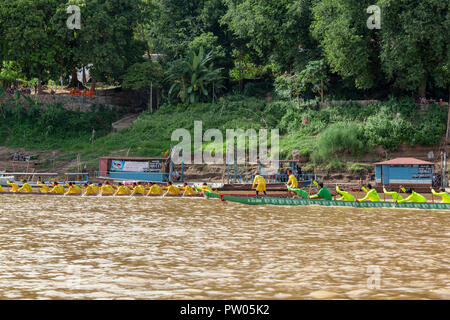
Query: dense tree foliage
x=315, y=42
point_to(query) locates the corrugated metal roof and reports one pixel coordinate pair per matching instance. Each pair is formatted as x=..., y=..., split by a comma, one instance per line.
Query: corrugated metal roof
x=404, y=161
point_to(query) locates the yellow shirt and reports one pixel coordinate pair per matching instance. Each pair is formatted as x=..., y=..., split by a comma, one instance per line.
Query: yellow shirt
x=1, y=188
x=44, y=188
x=154, y=189
x=122, y=190
x=26, y=188
x=346, y=196
x=107, y=189
x=371, y=195
x=188, y=191
x=74, y=189
x=139, y=189
x=58, y=189
x=205, y=188
x=172, y=190
x=444, y=195
x=14, y=187
x=292, y=181
x=90, y=189
x=261, y=183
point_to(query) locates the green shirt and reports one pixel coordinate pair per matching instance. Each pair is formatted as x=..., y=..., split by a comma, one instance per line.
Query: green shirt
x=301, y=193
x=324, y=193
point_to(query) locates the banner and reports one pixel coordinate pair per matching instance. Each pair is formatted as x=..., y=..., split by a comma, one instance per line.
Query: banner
x=151, y=166
x=122, y=165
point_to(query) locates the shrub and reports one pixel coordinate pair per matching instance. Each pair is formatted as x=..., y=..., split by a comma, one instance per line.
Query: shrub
x=343, y=138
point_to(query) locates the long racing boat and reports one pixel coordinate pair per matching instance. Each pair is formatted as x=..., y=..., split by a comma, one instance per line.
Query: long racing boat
x=325, y=203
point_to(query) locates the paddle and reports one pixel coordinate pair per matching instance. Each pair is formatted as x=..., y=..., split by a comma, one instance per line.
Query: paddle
x=432, y=194
x=357, y=193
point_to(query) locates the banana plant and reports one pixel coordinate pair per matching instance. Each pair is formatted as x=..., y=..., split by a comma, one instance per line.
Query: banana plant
x=196, y=78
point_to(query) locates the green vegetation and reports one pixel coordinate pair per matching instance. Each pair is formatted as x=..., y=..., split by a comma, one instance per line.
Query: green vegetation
x=217, y=61
x=50, y=127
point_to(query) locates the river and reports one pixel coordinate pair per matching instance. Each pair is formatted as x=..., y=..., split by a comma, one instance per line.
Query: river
x=121, y=248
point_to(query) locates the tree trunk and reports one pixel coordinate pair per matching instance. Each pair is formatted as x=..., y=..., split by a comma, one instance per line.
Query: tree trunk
x=83, y=80
x=74, y=82
x=423, y=88
x=321, y=91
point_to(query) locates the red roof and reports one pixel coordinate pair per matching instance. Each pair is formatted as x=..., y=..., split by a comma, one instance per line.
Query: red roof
x=404, y=161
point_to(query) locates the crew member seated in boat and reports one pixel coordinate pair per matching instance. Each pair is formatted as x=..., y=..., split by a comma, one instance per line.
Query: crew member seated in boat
x=171, y=190
x=371, y=194
x=261, y=184
x=444, y=195
x=346, y=196
x=106, y=189
x=188, y=191
x=26, y=187
x=89, y=189
x=413, y=197
x=204, y=187
x=122, y=190
x=292, y=182
x=138, y=189
x=57, y=188
x=323, y=193
x=396, y=196
x=44, y=188
x=299, y=192
x=154, y=190
x=14, y=186
x=73, y=189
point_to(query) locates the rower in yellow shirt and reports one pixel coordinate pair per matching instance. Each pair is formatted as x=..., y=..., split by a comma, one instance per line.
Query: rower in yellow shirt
x=413, y=197
x=44, y=188
x=122, y=190
x=154, y=190
x=89, y=189
x=188, y=191
x=444, y=195
x=138, y=189
x=292, y=182
x=171, y=190
x=346, y=196
x=1, y=188
x=261, y=184
x=26, y=187
x=204, y=187
x=14, y=186
x=371, y=194
x=396, y=196
x=57, y=188
x=106, y=189
x=73, y=189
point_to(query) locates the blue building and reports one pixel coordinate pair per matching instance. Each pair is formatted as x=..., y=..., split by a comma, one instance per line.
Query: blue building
x=129, y=169
x=409, y=172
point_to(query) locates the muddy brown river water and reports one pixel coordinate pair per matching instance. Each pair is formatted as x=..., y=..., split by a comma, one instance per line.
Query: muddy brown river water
x=121, y=248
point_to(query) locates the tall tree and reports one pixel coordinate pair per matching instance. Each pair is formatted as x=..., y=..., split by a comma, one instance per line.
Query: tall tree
x=277, y=30
x=414, y=43
x=410, y=50
x=349, y=46
x=26, y=36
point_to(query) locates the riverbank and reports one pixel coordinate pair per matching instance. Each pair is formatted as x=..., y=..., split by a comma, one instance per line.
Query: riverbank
x=338, y=142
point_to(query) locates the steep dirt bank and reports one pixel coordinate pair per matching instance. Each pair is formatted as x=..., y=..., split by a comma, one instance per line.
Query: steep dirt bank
x=60, y=162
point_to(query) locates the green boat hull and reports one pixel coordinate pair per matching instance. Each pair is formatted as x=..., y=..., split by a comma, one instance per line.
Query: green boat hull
x=326, y=203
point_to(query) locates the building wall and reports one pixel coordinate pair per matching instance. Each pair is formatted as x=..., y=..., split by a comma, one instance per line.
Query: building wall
x=407, y=174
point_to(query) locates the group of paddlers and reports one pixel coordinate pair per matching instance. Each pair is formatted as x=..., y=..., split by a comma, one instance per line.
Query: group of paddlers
x=137, y=188
x=371, y=193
